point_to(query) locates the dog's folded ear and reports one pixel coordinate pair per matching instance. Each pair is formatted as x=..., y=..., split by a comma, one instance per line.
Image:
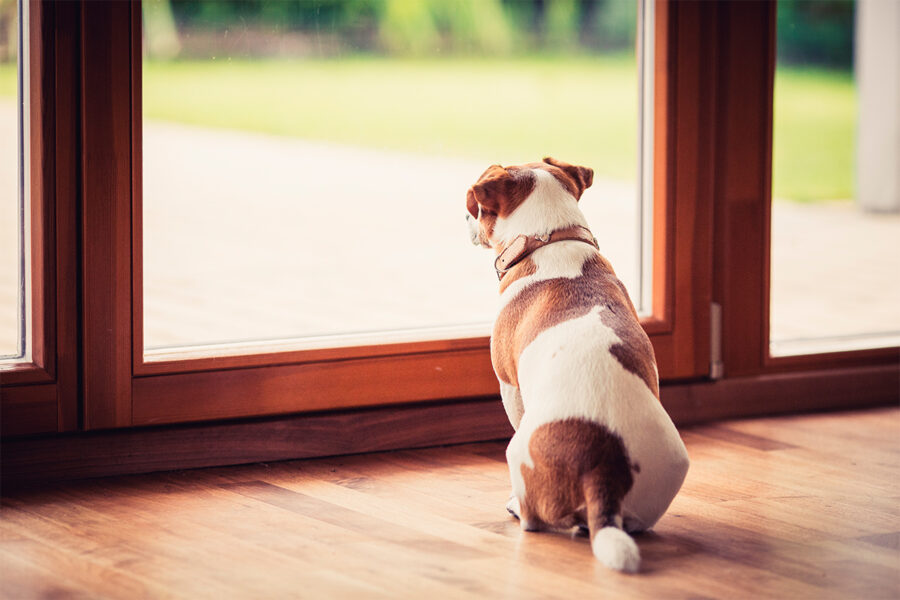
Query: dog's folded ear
x=472, y=203
x=582, y=177
x=493, y=186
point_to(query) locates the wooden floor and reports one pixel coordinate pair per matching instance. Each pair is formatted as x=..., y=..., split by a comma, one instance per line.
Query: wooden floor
x=798, y=507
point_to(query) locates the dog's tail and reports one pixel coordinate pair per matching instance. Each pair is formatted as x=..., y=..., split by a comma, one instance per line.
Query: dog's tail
x=610, y=544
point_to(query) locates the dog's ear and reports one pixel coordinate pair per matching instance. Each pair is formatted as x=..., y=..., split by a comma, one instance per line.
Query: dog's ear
x=489, y=191
x=472, y=203
x=581, y=177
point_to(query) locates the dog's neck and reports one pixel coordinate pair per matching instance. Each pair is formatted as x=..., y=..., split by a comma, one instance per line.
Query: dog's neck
x=520, y=247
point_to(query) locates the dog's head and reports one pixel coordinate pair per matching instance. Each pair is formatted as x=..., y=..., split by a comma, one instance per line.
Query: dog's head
x=534, y=198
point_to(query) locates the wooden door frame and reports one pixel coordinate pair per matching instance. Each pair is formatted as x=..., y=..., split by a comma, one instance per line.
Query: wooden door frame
x=41, y=395
x=122, y=389
x=714, y=65
x=746, y=37
x=718, y=68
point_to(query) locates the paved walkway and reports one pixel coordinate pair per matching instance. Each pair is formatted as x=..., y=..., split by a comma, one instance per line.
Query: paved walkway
x=252, y=237
x=314, y=239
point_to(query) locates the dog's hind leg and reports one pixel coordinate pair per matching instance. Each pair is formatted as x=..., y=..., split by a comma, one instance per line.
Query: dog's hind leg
x=512, y=403
x=528, y=519
x=610, y=544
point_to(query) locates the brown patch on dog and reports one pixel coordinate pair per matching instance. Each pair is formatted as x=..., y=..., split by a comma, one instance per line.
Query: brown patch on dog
x=497, y=193
x=634, y=352
x=546, y=303
x=581, y=474
x=500, y=191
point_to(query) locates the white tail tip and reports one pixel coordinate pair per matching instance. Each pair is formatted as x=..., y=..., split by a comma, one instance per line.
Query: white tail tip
x=616, y=550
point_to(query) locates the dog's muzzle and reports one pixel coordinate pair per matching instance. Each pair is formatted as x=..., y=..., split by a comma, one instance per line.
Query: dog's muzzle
x=475, y=231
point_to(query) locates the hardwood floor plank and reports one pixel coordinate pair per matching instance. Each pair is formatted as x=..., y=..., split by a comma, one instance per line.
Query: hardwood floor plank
x=75, y=573
x=799, y=507
x=891, y=540
x=23, y=579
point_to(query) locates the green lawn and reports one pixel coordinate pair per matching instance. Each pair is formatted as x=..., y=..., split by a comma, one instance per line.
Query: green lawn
x=498, y=110
x=814, y=135
x=7, y=80
x=581, y=110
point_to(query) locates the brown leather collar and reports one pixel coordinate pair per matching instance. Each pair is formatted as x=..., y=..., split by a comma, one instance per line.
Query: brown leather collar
x=523, y=245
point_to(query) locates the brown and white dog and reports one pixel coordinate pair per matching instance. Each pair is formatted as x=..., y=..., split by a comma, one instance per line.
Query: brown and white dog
x=593, y=446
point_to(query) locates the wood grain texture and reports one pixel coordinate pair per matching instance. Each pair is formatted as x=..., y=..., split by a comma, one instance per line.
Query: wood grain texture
x=664, y=77
x=772, y=508
x=40, y=112
x=682, y=199
x=55, y=458
x=66, y=181
x=307, y=387
x=692, y=150
x=746, y=33
x=43, y=460
x=783, y=393
x=106, y=213
x=28, y=409
x=49, y=381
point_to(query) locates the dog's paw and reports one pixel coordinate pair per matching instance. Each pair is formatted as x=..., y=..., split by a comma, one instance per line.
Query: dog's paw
x=513, y=506
x=528, y=525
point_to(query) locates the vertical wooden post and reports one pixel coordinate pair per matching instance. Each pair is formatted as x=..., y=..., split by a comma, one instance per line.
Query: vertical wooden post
x=106, y=213
x=743, y=167
x=66, y=91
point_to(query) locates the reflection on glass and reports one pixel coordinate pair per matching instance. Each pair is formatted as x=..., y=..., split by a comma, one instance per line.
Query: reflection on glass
x=11, y=260
x=306, y=163
x=836, y=209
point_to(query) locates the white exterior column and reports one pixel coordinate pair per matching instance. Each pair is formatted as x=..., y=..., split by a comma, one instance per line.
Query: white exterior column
x=878, y=85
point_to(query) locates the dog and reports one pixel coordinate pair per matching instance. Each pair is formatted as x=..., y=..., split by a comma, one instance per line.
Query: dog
x=593, y=447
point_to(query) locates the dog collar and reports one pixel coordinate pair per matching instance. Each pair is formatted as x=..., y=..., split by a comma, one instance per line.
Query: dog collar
x=523, y=245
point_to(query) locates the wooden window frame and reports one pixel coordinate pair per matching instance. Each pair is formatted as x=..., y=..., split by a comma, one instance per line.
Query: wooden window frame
x=41, y=395
x=714, y=65
x=122, y=389
x=746, y=37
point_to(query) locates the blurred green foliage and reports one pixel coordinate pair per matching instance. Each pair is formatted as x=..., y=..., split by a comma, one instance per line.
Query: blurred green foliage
x=815, y=108
x=816, y=33
x=279, y=14
x=810, y=32
x=9, y=23
x=420, y=27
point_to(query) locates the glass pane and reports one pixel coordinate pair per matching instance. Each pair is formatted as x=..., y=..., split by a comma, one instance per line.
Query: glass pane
x=306, y=163
x=836, y=209
x=12, y=301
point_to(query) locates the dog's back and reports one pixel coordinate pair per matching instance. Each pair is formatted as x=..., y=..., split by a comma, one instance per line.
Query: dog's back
x=594, y=446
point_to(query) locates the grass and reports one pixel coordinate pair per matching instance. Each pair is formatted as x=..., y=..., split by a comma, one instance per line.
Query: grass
x=7, y=80
x=580, y=109
x=814, y=136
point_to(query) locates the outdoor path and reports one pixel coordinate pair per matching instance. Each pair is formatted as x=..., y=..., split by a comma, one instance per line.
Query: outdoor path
x=249, y=235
